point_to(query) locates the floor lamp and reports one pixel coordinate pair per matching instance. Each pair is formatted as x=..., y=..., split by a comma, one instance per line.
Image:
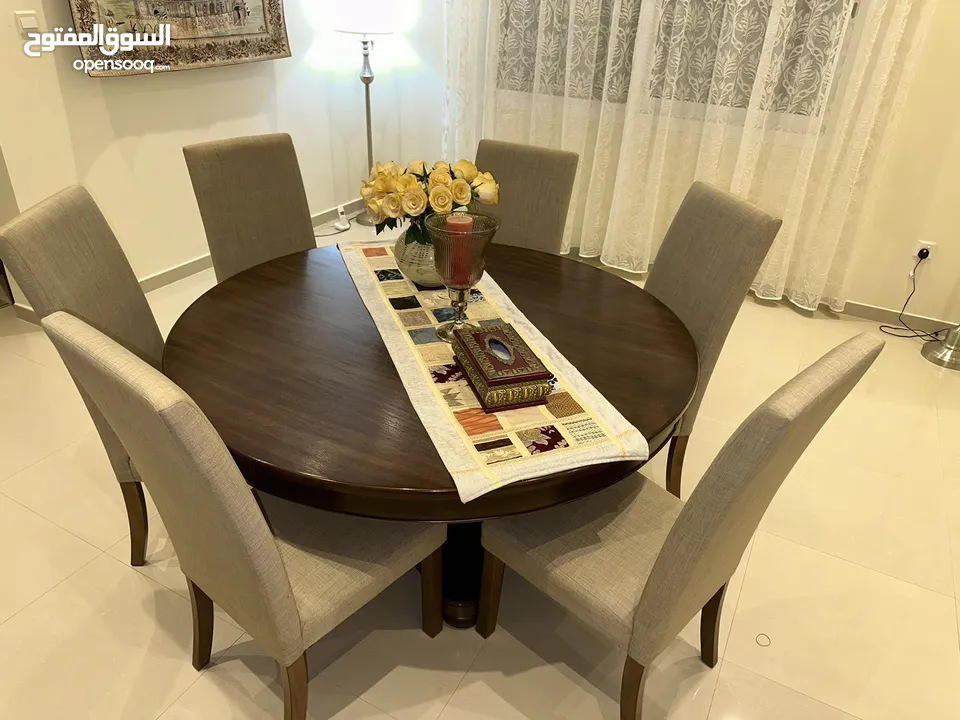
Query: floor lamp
x=946, y=352
x=366, y=77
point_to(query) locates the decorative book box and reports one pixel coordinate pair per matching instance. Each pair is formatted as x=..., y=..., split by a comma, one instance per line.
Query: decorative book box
x=501, y=368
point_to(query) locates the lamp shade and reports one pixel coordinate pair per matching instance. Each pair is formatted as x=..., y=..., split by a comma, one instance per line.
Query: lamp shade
x=373, y=17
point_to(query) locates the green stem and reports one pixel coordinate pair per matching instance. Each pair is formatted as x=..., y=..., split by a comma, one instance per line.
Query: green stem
x=417, y=233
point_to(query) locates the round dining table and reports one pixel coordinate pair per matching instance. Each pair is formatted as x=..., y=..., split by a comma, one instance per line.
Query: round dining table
x=287, y=364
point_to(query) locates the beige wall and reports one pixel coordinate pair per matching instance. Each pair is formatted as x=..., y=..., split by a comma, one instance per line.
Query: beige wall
x=122, y=137
x=917, y=196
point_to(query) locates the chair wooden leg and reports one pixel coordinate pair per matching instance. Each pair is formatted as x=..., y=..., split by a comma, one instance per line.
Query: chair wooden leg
x=202, y=625
x=490, y=587
x=710, y=628
x=137, y=518
x=295, y=690
x=678, y=448
x=431, y=593
x=631, y=690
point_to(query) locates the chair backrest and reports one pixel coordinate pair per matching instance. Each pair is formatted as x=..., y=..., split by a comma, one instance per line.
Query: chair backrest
x=536, y=184
x=711, y=253
x=64, y=256
x=713, y=529
x=251, y=199
x=221, y=537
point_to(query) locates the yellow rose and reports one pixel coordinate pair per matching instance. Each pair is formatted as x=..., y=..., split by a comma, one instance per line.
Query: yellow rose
x=466, y=170
x=367, y=191
x=441, y=199
x=375, y=211
x=406, y=182
x=439, y=177
x=462, y=194
x=441, y=165
x=482, y=178
x=417, y=167
x=384, y=184
x=489, y=193
x=414, y=201
x=391, y=205
x=375, y=170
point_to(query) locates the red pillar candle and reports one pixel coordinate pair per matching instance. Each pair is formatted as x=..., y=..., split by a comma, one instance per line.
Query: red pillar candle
x=460, y=248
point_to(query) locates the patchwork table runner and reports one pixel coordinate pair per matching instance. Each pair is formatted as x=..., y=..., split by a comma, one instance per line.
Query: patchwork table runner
x=482, y=452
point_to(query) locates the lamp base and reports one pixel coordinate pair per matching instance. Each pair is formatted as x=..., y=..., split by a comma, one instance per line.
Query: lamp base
x=364, y=219
x=946, y=352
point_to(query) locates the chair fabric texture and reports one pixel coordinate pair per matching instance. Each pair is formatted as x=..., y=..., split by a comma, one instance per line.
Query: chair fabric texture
x=251, y=199
x=64, y=256
x=536, y=185
x=338, y=563
x=283, y=589
x=710, y=254
x=636, y=562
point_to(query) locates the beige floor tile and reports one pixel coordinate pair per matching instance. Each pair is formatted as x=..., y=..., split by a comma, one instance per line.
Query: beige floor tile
x=891, y=524
x=26, y=340
x=868, y=644
x=46, y=415
x=35, y=556
x=75, y=488
x=244, y=684
x=705, y=442
x=381, y=655
x=105, y=644
x=743, y=695
x=952, y=506
x=543, y=663
x=734, y=391
x=162, y=565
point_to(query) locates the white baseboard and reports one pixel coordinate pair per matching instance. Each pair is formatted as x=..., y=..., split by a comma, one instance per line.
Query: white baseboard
x=25, y=312
x=177, y=272
x=322, y=218
x=889, y=317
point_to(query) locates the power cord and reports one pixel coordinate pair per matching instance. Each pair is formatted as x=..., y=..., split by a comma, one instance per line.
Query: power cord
x=903, y=330
x=336, y=231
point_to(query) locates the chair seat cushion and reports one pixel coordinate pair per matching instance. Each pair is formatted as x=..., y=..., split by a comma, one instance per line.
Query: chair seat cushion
x=593, y=556
x=338, y=563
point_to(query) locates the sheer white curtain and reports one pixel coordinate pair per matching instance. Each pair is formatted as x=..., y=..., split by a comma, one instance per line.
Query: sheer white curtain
x=783, y=102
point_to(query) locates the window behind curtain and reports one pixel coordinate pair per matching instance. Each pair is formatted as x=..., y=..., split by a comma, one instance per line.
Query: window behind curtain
x=707, y=51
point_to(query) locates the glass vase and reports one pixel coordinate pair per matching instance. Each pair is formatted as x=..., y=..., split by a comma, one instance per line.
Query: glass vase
x=414, y=253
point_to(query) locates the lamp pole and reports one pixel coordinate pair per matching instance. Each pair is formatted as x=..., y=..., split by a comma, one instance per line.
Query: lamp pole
x=366, y=77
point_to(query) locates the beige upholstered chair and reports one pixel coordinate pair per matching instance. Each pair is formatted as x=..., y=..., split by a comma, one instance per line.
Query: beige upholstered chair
x=64, y=255
x=251, y=198
x=535, y=188
x=709, y=256
x=635, y=562
x=287, y=579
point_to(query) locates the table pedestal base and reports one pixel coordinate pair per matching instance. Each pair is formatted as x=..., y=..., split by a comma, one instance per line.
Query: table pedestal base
x=462, y=570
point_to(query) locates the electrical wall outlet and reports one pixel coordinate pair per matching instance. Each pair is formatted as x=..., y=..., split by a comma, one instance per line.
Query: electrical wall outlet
x=927, y=245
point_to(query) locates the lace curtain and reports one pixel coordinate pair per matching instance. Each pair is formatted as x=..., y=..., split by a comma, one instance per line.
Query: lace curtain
x=785, y=103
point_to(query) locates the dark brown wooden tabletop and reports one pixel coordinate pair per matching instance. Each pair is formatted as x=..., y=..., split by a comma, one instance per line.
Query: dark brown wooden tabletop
x=286, y=362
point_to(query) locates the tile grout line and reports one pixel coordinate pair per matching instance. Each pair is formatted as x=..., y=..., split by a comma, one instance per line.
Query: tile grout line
x=200, y=674
x=125, y=564
x=860, y=565
x=52, y=522
x=51, y=589
x=792, y=689
x=466, y=672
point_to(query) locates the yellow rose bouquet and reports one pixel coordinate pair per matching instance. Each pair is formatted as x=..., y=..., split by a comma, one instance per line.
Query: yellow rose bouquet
x=394, y=193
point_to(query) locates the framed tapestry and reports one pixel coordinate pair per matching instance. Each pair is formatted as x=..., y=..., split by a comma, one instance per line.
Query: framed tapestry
x=203, y=33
